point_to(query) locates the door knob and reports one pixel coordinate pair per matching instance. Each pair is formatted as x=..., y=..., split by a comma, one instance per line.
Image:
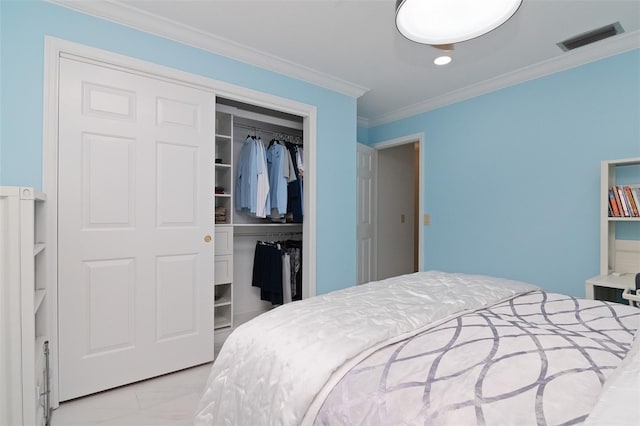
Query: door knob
x=207, y=238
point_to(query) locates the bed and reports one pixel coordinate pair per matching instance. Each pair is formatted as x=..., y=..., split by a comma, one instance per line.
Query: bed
x=430, y=348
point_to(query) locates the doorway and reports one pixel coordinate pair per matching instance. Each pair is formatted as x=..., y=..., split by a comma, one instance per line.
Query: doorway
x=376, y=233
x=397, y=208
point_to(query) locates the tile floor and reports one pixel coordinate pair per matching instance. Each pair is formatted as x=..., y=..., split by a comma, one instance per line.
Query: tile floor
x=168, y=400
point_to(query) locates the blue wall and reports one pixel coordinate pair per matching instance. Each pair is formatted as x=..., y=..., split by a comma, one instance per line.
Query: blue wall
x=512, y=177
x=23, y=25
x=363, y=135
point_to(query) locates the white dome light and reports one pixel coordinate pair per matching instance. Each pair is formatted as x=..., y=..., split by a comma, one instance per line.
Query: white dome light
x=451, y=21
x=442, y=60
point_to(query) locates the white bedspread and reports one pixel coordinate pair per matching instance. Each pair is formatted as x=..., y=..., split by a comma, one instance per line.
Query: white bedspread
x=276, y=369
x=619, y=402
x=536, y=359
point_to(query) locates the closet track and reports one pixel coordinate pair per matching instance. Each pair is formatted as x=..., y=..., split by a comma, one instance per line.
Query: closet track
x=295, y=139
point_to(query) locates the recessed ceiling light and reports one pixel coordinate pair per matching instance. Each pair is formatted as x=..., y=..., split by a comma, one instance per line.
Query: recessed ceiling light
x=442, y=60
x=451, y=21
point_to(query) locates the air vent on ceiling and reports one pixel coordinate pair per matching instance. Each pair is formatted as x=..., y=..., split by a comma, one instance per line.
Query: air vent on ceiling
x=591, y=36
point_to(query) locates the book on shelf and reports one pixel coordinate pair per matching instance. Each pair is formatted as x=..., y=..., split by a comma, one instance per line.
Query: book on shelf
x=636, y=197
x=631, y=201
x=624, y=201
x=616, y=194
x=613, y=204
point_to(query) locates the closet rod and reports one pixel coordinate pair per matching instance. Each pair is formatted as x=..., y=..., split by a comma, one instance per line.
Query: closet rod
x=295, y=139
x=267, y=234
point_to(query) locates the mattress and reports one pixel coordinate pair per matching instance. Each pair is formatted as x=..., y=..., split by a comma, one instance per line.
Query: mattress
x=290, y=366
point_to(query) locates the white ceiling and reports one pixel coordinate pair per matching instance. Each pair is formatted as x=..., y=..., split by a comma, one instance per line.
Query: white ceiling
x=354, y=47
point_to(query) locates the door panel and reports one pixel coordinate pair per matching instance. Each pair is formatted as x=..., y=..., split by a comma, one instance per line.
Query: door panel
x=108, y=102
x=173, y=112
x=107, y=198
x=110, y=288
x=176, y=294
x=135, y=200
x=177, y=184
x=366, y=211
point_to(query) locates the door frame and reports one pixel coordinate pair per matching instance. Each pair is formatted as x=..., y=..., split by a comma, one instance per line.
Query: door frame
x=54, y=48
x=403, y=140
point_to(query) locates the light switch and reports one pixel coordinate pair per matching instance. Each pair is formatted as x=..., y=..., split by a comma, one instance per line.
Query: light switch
x=402, y=218
x=427, y=219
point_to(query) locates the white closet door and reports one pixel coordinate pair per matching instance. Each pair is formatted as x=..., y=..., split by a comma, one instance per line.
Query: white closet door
x=135, y=204
x=366, y=211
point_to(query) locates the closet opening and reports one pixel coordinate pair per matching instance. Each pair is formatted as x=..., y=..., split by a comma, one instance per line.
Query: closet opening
x=259, y=212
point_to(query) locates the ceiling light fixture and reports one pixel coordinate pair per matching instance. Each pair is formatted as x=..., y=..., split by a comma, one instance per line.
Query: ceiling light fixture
x=451, y=21
x=442, y=60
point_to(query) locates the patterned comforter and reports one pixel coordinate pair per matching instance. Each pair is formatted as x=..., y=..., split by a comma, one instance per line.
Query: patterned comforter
x=537, y=359
x=423, y=348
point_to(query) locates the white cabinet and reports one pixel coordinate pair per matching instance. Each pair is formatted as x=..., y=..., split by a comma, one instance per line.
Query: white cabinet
x=24, y=324
x=223, y=238
x=223, y=282
x=619, y=254
x=223, y=168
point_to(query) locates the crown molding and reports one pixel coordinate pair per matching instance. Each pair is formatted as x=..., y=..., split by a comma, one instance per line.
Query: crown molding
x=363, y=122
x=122, y=14
x=114, y=11
x=574, y=58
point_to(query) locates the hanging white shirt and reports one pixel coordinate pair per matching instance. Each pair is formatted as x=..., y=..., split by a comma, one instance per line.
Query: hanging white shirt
x=262, y=202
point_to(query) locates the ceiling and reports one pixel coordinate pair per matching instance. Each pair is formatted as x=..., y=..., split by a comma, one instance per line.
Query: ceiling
x=354, y=45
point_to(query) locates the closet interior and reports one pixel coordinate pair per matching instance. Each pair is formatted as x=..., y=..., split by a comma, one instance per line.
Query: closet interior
x=258, y=234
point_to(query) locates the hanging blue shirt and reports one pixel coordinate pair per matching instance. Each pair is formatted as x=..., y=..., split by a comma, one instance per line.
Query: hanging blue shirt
x=246, y=193
x=276, y=157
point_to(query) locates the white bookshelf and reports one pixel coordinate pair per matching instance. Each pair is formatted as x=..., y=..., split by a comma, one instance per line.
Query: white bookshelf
x=223, y=239
x=619, y=259
x=24, y=373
